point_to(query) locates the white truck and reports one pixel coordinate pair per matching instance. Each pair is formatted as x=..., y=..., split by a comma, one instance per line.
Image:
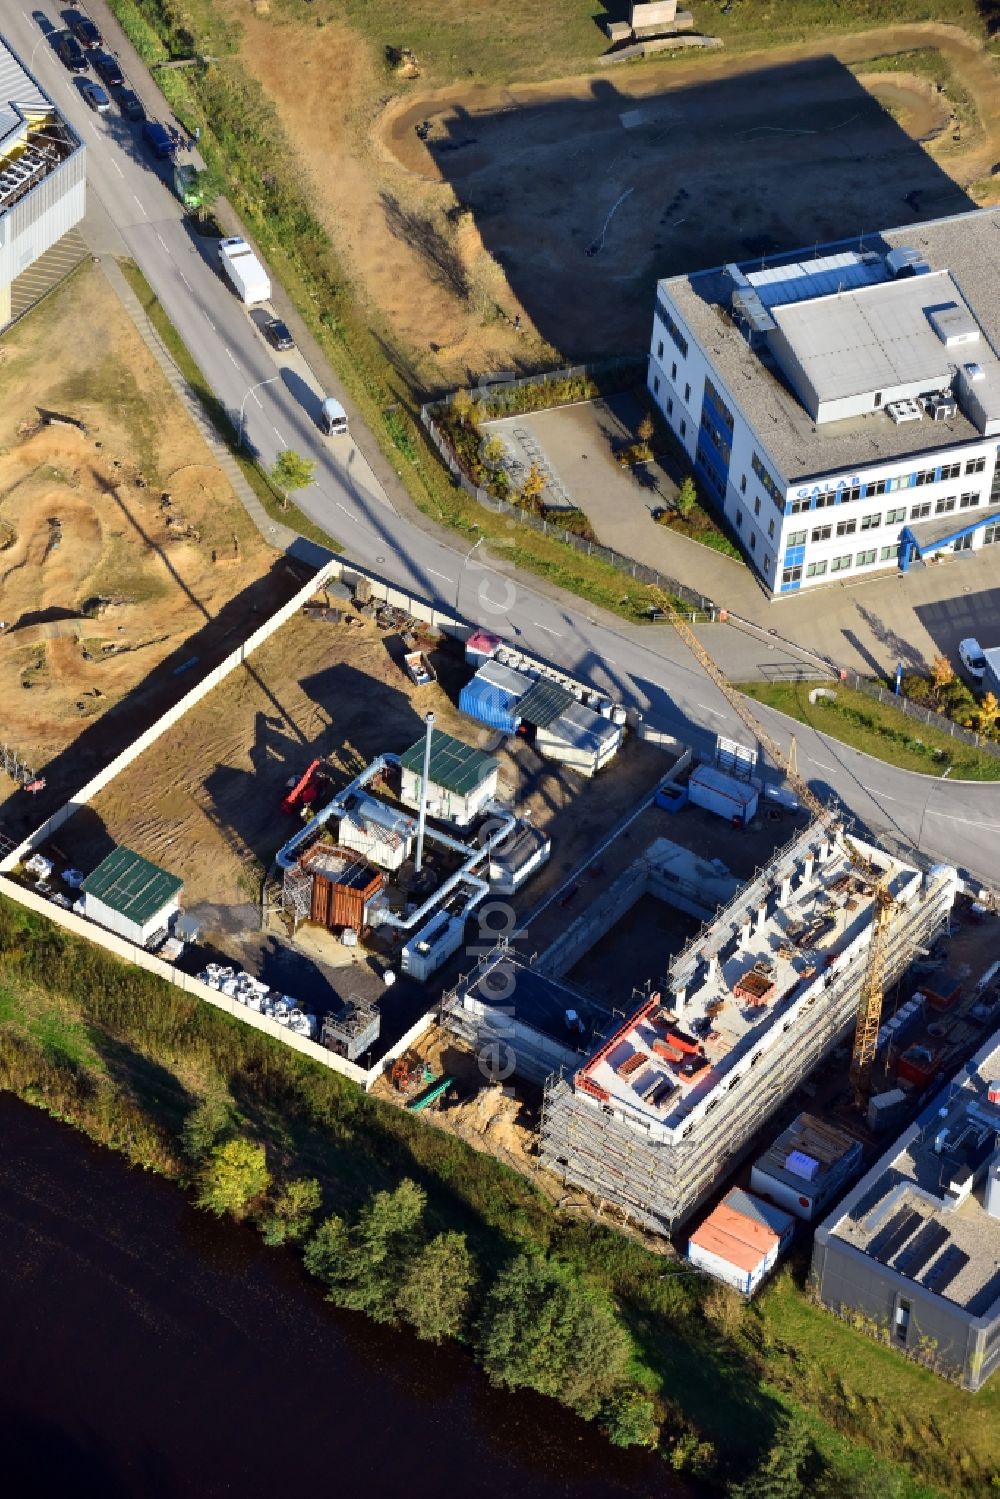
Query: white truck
x=244, y=270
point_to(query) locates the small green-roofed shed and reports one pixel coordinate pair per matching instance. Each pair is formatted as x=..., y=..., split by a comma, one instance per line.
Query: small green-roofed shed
x=133, y=888
x=461, y=783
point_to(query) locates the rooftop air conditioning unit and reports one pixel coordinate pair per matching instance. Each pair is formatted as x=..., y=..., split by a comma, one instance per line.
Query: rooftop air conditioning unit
x=904, y=411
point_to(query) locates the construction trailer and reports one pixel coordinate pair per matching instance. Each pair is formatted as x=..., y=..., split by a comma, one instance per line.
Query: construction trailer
x=741, y=1241
x=807, y=1165
x=430, y=948
x=668, y=1101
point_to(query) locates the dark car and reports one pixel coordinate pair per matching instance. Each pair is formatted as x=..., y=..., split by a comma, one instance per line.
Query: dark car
x=69, y=52
x=84, y=30
x=159, y=140
x=107, y=67
x=130, y=105
x=278, y=334
x=94, y=95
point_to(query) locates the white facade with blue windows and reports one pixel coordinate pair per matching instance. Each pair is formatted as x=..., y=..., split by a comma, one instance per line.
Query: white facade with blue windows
x=843, y=410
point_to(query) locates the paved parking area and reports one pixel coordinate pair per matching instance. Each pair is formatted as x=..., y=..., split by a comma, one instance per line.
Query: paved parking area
x=866, y=624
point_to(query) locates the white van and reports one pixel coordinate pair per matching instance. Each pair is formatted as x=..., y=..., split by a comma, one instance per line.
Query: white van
x=333, y=418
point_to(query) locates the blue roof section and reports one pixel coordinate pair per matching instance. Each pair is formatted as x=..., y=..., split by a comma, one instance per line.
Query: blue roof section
x=803, y=279
x=490, y=704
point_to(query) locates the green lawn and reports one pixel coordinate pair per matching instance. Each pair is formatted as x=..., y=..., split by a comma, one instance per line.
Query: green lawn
x=878, y=730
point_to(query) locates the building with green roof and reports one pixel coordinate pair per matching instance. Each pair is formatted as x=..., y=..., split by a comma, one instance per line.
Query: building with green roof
x=130, y=896
x=461, y=780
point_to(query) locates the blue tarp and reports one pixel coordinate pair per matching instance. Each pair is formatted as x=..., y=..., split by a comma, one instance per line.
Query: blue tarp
x=490, y=705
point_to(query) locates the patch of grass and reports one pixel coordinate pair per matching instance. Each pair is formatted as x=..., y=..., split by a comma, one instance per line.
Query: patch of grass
x=8, y=1004
x=61, y=1037
x=217, y=414
x=878, y=729
x=927, y=62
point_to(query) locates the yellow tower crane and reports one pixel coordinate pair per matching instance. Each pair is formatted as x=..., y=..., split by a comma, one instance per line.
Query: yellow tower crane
x=873, y=985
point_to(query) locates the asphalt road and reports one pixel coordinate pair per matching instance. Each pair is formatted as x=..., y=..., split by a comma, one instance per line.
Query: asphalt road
x=277, y=398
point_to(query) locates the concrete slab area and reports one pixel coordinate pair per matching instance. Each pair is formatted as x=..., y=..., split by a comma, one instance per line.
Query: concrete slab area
x=866, y=624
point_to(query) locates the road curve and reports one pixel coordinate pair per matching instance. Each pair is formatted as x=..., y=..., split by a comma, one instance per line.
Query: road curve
x=653, y=673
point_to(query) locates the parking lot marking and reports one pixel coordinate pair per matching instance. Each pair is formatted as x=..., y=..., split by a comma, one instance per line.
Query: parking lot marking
x=208, y=319
x=117, y=168
x=140, y=207
x=548, y=629
x=162, y=241
x=443, y=576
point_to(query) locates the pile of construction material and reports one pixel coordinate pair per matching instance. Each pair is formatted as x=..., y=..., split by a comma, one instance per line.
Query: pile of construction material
x=258, y=996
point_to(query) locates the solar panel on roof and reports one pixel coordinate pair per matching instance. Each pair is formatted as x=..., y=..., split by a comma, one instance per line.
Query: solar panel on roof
x=946, y=1269
x=919, y=1251
x=894, y=1235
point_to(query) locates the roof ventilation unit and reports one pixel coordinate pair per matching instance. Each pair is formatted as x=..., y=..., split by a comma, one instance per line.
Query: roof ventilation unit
x=941, y=407
x=906, y=261
x=974, y=373
x=904, y=411
x=954, y=325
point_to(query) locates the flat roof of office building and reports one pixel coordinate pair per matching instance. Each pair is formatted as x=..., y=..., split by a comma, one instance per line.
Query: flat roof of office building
x=965, y=245
x=906, y=1214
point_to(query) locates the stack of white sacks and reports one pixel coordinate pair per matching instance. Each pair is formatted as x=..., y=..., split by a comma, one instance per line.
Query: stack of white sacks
x=257, y=995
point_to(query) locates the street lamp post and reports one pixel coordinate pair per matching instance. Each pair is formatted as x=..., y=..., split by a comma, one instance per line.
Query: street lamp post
x=243, y=404
x=465, y=561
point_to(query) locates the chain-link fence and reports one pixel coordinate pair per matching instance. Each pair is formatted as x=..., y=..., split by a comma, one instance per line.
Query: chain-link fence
x=920, y=714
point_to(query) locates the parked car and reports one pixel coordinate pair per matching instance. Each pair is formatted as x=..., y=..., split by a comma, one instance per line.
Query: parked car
x=84, y=29
x=278, y=334
x=69, y=52
x=107, y=68
x=970, y=653
x=94, y=95
x=130, y=105
x=159, y=140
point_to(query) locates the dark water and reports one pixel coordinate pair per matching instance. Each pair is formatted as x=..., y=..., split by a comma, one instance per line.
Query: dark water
x=146, y=1349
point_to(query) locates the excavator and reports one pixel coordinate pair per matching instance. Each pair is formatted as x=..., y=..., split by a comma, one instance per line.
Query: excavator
x=873, y=985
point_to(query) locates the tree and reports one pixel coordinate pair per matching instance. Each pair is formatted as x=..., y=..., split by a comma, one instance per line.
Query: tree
x=988, y=715
x=364, y=1266
x=461, y=408
x=942, y=675
x=434, y=1296
x=543, y=1329
x=532, y=489
x=292, y=471
x=326, y=1251
x=788, y=1469
x=209, y=1119
x=494, y=450
x=292, y=1211
x=629, y=1420
x=232, y=1177
x=687, y=497
x=645, y=430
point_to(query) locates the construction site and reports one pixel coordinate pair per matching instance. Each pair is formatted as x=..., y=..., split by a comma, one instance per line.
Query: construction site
x=325, y=837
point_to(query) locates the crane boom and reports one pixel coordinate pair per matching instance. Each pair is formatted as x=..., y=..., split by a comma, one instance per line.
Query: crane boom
x=873, y=985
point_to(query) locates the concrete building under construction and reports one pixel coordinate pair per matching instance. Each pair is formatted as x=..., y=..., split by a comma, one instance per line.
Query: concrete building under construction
x=667, y=1101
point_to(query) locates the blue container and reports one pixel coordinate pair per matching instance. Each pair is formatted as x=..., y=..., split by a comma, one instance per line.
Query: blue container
x=671, y=798
x=490, y=705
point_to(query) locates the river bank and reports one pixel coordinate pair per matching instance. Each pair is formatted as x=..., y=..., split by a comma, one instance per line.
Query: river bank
x=151, y=1349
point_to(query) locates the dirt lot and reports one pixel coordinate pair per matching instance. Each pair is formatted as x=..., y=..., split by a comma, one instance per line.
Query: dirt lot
x=205, y=800
x=721, y=156
x=101, y=580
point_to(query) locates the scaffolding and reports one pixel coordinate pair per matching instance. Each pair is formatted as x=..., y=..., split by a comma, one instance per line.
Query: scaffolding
x=660, y=1173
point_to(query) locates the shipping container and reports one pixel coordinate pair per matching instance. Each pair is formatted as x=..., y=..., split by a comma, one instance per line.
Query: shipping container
x=490, y=704
x=724, y=795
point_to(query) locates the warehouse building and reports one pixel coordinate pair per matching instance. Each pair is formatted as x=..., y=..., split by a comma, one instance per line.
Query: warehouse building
x=130, y=896
x=816, y=394
x=669, y=1099
x=914, y=1249
x=42, y=178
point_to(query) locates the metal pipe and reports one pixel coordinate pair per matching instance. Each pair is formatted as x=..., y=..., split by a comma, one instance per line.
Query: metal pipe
x=461, y=876
x=285, y=856
x=424, y=782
